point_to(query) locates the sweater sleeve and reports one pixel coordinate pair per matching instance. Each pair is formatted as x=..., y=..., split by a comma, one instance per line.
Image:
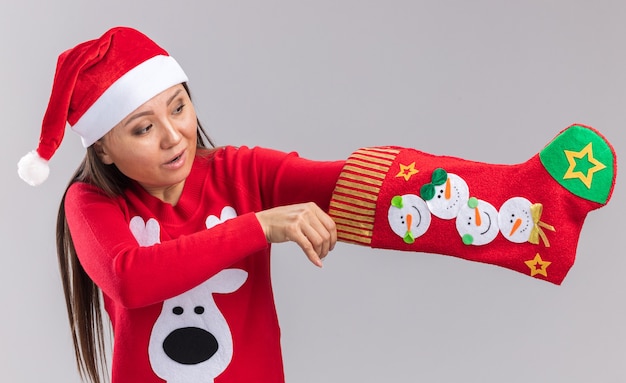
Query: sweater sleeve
x=138, y=276
x=289, y=179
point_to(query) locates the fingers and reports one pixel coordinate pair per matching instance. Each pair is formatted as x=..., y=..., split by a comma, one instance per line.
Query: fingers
x=315, y=233
x=307, y=245
x=315, y=242
x=322, y=233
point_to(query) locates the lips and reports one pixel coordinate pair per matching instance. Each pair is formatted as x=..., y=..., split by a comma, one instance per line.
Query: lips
x=176, y=161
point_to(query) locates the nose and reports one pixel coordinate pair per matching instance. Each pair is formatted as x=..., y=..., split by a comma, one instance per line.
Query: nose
x=171, y=135
x=516, y=226
x=190, y=345
x=478, y=221
x=447, y=190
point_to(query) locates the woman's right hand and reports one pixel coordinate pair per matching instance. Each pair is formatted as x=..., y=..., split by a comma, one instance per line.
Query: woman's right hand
x=305, y=224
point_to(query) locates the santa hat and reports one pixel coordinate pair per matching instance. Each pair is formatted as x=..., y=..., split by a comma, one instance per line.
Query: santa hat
x=96, y=85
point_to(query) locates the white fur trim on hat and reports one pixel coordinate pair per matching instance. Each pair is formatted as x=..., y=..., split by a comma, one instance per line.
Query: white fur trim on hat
x=126, y=94
x=33, y=169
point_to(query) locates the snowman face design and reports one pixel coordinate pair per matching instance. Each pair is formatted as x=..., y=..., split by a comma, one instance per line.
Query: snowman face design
x=449, y=197
x=408, y=217
x=477, y=222
x=515, y=219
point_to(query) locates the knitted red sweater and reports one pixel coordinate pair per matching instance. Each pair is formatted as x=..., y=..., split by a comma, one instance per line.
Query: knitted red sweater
x=187, y=287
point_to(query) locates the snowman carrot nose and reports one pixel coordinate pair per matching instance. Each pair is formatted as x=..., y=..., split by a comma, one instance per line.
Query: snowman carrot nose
x=516, y=225
x=477, y=214
x=408, y=237
x=447, y=193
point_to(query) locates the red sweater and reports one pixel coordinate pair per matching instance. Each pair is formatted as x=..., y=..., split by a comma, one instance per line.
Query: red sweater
x=176, y=316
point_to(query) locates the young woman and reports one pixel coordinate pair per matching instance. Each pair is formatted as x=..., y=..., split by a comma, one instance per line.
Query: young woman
x=175, y=234
x=134, y=221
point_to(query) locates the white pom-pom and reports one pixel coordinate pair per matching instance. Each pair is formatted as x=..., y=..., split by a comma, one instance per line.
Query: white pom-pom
x=33, y=169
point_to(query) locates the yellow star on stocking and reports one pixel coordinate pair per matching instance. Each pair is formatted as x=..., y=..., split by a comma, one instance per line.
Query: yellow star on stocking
x=538, y=266
x=407, y=171
x=586, y=179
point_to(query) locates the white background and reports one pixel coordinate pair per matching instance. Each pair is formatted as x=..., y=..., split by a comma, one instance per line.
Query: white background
x=491, y=81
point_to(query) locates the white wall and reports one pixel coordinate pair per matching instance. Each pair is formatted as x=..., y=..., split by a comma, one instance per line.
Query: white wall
x=491, y=81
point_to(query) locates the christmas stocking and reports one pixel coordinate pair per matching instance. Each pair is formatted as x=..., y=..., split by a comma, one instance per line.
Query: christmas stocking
x=525, y=217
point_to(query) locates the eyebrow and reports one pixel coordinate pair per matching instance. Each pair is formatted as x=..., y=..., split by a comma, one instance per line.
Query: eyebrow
x=149, y=112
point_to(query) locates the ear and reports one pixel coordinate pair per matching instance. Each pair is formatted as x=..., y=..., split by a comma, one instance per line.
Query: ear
x=102, y=152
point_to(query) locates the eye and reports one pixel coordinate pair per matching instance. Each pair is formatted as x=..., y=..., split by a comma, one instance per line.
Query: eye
x=198, y=310
x=178, y=310
x=179, y=109
x=140, y=131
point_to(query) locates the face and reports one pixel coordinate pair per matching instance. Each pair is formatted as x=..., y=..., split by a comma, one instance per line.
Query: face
x=515, y=219
x=408, y=217
x=449, y=197
x=156, y=144
x=477, y=222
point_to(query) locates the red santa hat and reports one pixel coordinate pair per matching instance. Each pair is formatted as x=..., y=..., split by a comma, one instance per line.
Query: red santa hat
x=96, y=85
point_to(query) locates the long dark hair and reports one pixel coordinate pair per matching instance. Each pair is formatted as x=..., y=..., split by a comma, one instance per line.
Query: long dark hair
x=82, y=296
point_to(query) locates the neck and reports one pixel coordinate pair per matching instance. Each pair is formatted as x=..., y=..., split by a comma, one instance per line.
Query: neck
x=170, y=194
